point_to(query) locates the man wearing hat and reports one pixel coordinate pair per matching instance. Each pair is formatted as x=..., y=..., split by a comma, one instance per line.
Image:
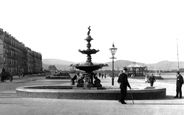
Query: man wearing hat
x=179, y=82
x=123, y=81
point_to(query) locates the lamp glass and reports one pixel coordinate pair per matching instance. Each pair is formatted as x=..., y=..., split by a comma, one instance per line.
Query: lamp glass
x=113, y=51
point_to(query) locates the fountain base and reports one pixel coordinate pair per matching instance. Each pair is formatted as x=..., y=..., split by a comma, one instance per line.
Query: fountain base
x=73, y=92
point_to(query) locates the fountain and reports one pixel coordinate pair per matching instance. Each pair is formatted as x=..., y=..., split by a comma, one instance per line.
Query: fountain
x=88, y=66
x=88, y=90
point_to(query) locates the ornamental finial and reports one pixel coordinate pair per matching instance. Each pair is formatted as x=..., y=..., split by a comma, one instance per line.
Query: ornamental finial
x=89, y=29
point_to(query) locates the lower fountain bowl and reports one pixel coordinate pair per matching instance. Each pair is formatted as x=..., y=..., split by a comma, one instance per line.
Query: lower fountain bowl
x=72, y=92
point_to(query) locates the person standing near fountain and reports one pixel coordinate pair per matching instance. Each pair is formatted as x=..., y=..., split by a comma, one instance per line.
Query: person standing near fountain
x=152, y=79
x=179, y=83
x=123, y=81
x=73, y=79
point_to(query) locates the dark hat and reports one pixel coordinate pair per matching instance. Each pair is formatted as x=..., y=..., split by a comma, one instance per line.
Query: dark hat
x=178, y=72
x=125, y=69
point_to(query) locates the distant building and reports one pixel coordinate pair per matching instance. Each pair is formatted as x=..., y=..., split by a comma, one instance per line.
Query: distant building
x=16, y=58
x=34, y=61
x=136, y=69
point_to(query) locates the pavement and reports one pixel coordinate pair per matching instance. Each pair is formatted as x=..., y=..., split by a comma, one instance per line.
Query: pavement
x=10, y=104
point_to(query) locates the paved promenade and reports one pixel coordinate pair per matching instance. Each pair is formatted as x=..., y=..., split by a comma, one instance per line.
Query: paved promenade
x=13, y=105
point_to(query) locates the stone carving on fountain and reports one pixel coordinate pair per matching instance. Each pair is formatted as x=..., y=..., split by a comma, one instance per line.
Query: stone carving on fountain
x=88, y=67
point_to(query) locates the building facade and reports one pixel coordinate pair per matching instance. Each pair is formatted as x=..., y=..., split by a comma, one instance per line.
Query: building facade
x=16, y=58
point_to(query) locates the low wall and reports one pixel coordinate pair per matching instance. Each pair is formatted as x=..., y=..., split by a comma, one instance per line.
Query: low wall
x=69, y=92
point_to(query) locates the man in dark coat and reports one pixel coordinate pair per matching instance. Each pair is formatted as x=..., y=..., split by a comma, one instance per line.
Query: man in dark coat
x=123, y=81
x=179, y=82
x=152, y=80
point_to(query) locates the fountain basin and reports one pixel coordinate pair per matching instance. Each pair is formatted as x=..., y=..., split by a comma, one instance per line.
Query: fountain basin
x=89, y=68
x=72, y=92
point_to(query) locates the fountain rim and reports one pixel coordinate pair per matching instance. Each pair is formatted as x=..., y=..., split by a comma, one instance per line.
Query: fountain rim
x=93, y=93
x=73, y=89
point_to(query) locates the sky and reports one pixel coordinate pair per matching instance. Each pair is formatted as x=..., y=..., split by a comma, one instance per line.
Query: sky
x=144, y=31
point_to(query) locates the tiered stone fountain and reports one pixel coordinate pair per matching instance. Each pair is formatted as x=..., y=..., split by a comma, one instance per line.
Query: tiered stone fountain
x=88, y=66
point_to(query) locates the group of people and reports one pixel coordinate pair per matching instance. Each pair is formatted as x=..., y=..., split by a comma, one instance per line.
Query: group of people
x=86, y=79
x=123, y=81
x=102, y=75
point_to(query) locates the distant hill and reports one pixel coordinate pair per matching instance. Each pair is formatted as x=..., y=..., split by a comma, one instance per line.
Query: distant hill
x=56, y=61
x=118, y=64
x=165, y=65
x=162, y=65
x=60, y=64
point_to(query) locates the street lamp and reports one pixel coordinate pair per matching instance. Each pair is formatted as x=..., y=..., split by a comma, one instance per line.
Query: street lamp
x=113, y=51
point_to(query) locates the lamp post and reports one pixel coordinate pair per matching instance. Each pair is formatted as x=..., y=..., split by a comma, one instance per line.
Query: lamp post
x=113, y=51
